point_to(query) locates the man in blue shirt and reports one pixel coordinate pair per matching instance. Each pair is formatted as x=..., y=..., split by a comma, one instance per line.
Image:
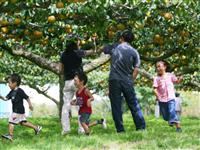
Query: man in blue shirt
x=125, y=62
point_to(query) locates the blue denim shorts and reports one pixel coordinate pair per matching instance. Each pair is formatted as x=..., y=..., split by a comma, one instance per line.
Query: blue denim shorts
x=85, y=118
x=167, y=110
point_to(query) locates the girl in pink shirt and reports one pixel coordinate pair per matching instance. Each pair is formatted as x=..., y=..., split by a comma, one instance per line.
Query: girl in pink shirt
x=165, y=93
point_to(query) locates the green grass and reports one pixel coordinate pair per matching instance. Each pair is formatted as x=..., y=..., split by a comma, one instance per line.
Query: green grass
x=157, y=136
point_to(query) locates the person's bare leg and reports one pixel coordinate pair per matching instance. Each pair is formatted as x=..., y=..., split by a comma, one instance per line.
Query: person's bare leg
x=93, y=124
x=177, y=125
x=30, y=125
x=11, y=129
x=86, y=128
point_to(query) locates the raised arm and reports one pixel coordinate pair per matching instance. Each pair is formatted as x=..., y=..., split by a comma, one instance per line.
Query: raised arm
x=179, y=79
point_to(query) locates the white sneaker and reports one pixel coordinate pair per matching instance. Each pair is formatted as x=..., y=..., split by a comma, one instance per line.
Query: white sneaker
x=81, y=132
x=7, y=136
x=65, y=132
x=104, y=125
x=37, y=131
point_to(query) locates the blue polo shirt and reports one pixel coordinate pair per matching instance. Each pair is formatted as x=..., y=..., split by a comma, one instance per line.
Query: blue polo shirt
x=124, y=58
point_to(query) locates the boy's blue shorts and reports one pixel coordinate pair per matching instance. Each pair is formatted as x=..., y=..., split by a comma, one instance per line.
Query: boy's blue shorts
x=167, y=110
x=85, y=118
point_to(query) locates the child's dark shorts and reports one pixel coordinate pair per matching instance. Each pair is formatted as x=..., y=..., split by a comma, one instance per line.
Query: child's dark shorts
x=168, y=112
x=85, y=118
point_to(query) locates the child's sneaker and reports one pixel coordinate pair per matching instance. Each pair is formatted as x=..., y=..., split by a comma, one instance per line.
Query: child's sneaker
x=178, y=130
x=65, y=132
x=104, y=125
x=81, y=132
x=37, y=131
x=7, y=136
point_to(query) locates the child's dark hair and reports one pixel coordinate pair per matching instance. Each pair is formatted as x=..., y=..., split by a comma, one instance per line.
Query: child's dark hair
x=82, y=77
x=15, y=78
x=71, y=45
x=166, y=64
x=127, y=35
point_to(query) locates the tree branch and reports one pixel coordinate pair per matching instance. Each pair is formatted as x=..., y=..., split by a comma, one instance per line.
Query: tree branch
x=164, y=56
x=96, y=63
x=43, y=93
x=40, y=61
x=53, y=67
x=146, y=74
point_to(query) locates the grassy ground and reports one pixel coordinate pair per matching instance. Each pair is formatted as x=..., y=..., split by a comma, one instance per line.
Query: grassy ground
x=157, y=136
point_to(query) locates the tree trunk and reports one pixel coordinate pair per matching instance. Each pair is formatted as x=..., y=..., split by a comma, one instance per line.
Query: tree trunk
x=61, y=86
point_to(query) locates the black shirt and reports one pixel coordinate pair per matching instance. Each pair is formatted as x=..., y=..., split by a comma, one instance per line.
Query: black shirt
x=17, y=97
x=72, y=62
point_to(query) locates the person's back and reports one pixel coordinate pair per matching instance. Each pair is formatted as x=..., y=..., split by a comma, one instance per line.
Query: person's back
x=125, y=62
x=124, y=57
x=72, y=63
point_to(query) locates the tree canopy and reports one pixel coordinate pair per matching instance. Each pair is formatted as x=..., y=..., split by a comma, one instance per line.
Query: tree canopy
x=33, y=33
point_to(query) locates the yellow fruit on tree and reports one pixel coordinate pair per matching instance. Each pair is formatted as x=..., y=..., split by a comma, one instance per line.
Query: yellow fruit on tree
x=68, y=30
x=198, y=49
x=120, y=26
x=59, y=5
x=61, y=16
x=148, y=14
x=166, y=2
x=4, y=29
x=17, y=21
x=10, y=36
x=111, y=28
x=38, y=34
x=158, y=39
x=1, y=54
x=13, y=1
x=94, y=34
x=185, y=33
x=83, y=42
x=111, y=34
x=168, y=16
x=183, y=57
x=51, y=19
x=45, y=41
x=51, y=30
x=3, y=22
x=2, y=1
x=139, y=25
x=170, y=30
x=68, y=26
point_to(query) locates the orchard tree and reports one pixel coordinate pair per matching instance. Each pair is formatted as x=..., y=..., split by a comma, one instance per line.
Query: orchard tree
x=33, y=34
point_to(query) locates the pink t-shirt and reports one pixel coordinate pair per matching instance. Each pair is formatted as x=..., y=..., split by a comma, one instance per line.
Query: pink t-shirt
x=165, y=87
